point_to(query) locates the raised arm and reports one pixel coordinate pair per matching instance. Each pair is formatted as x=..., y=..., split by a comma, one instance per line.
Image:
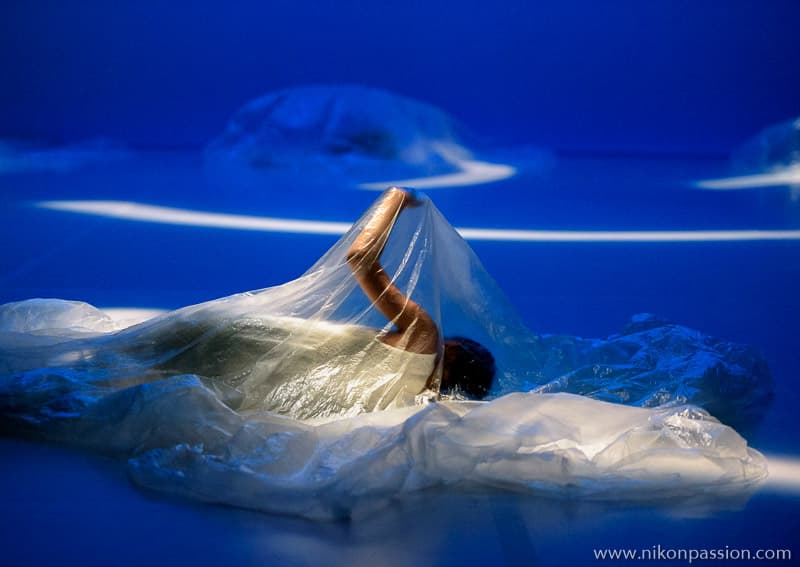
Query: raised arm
x=416, y=331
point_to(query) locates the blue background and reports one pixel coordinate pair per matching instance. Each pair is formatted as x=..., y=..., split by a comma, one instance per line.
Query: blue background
x=662, y=75
x=638, y=98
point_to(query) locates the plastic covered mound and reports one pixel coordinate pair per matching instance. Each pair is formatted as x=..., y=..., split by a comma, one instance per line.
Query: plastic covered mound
x=347, y=129
x=654, y=362
x=47, y=315
x=286, y=399
x=774, y=148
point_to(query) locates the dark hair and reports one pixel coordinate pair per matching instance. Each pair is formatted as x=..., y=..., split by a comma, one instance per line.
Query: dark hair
x=468, y=367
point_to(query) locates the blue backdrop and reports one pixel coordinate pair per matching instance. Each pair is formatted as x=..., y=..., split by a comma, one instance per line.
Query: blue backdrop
x=661, y=75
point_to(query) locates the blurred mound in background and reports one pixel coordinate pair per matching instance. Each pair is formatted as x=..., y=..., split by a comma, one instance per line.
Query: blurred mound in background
x=348, y=129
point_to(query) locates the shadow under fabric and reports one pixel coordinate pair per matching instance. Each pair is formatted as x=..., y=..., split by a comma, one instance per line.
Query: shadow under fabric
x=267, y=399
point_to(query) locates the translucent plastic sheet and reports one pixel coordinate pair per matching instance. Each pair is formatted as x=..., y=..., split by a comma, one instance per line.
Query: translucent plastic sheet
x=286, y=399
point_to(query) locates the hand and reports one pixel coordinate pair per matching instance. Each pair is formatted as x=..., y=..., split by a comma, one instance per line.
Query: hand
x=411, y=197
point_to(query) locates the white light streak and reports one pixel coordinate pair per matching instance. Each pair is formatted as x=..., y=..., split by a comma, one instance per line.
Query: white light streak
x=472, y=173
x=784, y=473
x=626, y=236
x=787, y=177
x=167, y=215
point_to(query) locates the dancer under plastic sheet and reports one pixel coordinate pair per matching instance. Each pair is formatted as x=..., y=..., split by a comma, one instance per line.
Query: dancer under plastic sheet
x=268, y=399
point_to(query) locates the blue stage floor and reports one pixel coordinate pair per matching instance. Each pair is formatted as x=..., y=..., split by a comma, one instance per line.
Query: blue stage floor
x=65, y=506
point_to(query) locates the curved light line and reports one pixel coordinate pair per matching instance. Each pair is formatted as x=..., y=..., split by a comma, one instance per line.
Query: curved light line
x=168, y=215
x=785, y=177
x=472, y=173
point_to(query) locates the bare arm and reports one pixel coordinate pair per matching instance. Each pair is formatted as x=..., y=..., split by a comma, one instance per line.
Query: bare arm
x=416, y=331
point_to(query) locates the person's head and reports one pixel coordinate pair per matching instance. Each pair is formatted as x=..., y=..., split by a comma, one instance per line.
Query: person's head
x=467, y=367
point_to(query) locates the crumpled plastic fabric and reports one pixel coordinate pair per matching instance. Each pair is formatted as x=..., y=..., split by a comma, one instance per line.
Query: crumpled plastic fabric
x=174, y=395
x=654, y=362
